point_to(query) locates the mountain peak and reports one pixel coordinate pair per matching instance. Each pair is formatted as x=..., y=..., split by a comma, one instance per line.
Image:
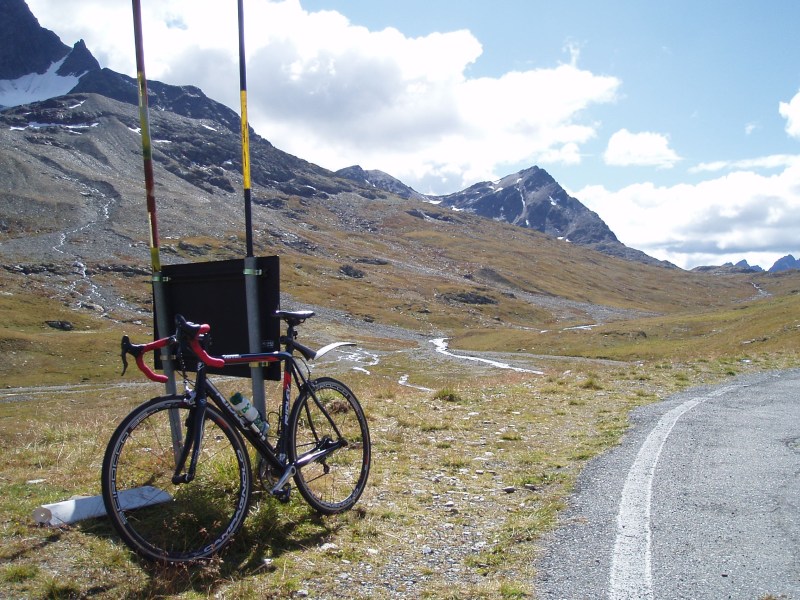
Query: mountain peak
x=380, y=180
x=786, y=263
x=534, y=175
x=78, y=62
x=533, y=199
x=34, y=63
x=25, y=46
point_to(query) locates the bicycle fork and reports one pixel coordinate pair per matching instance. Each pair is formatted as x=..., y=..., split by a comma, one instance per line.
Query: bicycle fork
x=195, y=426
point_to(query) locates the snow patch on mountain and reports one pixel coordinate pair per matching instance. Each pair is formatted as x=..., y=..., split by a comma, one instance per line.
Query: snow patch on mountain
x=35, y=87
x=74, y=128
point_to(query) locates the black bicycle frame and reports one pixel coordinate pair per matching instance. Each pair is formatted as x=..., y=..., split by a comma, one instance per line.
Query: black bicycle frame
x=276, y=457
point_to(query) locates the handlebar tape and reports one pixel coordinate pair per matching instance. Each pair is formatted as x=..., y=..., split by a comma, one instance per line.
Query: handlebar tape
x=205, y=356
x=138, y=351
x=194, y=332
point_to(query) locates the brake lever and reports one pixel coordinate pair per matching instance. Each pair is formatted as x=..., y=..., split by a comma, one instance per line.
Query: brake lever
x=126, y=341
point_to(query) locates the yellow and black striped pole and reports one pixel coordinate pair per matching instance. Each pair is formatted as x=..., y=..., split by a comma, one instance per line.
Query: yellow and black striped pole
x=248, y=216
x=251, y=272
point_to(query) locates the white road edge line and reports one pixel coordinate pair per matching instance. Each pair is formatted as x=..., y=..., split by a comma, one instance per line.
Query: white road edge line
x=631, y=575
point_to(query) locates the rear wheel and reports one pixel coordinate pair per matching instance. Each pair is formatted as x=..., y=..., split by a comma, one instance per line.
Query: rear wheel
x=330, y=428
x=161, y=520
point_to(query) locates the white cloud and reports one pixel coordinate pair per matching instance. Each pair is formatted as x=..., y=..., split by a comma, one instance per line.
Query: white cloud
x=640, y=149
x=791, y=112
x=406, y=105
x=774, y=161
x=739, y=215
x=568, y=154
x=338, y=94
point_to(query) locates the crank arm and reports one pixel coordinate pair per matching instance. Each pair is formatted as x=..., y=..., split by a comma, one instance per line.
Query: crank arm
x=288, y=473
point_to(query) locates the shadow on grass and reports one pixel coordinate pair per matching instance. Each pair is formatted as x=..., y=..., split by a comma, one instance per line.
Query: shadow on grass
x=271, y=530
x=31, y=549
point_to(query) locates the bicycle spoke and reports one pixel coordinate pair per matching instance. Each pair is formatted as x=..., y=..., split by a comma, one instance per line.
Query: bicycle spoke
x=334, y=481
x=200, y=516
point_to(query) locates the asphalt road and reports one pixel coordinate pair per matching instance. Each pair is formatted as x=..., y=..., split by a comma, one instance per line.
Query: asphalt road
x=701, y=500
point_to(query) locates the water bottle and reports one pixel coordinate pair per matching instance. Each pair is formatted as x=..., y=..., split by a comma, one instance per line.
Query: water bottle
x=249, y=413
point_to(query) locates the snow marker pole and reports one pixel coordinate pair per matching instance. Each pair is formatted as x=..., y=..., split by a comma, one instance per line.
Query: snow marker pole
x=248, y=217
x=159, y=294
x=251, y=271
x=147, y=151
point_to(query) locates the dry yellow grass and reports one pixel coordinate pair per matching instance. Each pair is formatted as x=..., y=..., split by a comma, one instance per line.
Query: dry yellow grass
x=467, y=473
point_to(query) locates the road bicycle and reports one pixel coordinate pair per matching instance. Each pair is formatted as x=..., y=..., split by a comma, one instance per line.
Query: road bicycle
x=177, y=476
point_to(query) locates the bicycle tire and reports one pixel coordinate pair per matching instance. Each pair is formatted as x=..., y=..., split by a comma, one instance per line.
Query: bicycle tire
x=197, y=519
x=334, y=483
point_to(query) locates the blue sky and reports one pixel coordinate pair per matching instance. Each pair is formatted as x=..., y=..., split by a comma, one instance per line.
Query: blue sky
x=708, y=75
x=677, y=122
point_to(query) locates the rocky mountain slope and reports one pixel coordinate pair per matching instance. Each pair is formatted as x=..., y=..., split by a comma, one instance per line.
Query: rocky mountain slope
x=73, y=223
x=530, y=198
x=785, y=263
x=60, y=156
x=533, y=199
x=380, y=181
x=73, y=219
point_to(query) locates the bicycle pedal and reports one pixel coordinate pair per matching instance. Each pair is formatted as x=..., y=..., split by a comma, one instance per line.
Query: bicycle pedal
x=283, y=495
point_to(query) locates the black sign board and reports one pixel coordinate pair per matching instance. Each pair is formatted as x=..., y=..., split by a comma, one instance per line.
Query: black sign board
x=214, y=293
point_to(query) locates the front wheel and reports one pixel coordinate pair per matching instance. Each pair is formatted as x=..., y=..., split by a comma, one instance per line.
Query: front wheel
x=330, y=442
x=157, y=518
